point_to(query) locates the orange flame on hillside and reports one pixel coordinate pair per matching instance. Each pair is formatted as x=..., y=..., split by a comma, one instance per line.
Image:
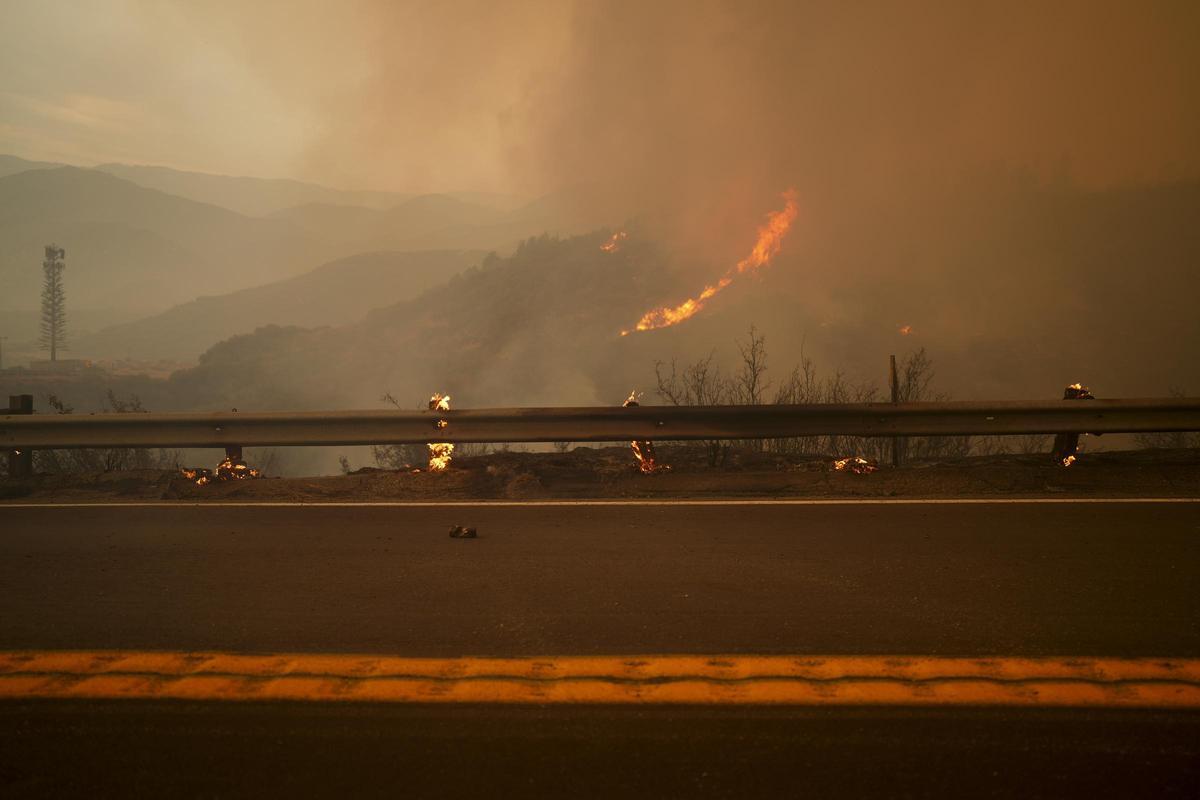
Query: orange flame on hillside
x=614, y=242
x=770, y=238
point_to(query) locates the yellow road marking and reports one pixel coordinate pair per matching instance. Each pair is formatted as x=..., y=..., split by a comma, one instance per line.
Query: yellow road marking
x=774, y=680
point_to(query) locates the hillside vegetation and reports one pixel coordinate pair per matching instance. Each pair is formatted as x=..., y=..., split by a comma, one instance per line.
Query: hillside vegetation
x=336, y=293
x=1064, y=285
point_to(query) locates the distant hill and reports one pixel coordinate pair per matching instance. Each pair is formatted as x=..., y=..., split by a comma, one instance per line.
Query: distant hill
x=136, y=250
x=10, y=165
x=434, y=221
x=266, y=196
x=250, y=196
x=419, y=222
x=336, y=293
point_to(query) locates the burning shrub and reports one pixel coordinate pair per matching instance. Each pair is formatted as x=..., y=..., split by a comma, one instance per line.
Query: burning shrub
x=855, y=464
x=407, y=457
x=232, y=468
x=614, y=242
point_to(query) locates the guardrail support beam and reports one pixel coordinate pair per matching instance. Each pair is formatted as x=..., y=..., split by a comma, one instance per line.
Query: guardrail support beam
x=596, y=424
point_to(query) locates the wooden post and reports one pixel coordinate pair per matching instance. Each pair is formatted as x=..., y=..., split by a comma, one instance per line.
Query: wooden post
x=20, y=462
x=1066, y=445
x=893, y=380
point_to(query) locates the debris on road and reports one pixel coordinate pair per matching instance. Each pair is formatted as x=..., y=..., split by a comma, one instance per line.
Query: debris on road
x=459, y=532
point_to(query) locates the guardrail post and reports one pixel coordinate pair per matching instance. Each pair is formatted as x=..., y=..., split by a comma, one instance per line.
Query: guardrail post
x=20, y=462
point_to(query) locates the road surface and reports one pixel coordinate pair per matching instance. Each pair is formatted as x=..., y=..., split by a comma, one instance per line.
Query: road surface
x=997, y=582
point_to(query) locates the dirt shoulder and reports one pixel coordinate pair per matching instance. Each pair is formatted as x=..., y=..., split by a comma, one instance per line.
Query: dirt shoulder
x=609, y=473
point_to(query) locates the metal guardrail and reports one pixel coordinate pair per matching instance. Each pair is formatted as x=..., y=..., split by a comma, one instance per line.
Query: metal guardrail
x=596, y=424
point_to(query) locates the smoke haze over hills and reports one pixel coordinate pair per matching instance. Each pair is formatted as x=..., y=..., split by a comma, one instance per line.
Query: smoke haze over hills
x=1017, y=183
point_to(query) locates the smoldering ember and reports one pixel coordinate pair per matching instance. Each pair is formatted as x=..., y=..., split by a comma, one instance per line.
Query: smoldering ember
x=574, y=398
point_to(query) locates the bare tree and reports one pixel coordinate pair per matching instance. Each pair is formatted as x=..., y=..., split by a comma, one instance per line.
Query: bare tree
x=750, y=384
x=699, y=384
x=915, y=382
x=108, y=459
x=804, y=386
x=1170, y=440
x=400, y=456
x=54, y=301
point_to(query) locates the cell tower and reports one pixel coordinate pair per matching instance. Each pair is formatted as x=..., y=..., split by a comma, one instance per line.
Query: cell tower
x=54, y=301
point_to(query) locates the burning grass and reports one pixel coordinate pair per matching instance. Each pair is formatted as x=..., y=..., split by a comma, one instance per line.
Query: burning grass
x=856, y=465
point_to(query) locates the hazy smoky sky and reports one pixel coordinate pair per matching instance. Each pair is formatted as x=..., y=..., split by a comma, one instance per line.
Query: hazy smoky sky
x=697, y=109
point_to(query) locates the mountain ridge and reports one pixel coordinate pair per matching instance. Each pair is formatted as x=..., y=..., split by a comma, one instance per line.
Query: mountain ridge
x=335, y=293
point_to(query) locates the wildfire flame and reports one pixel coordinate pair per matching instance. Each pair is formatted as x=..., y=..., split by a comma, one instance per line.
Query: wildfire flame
x=198, y=475
x=614, y=242
x=230, y=469
x=855, y=464
x=770, y=238
x=440, y=452
x=642, y=451
x=905, y=330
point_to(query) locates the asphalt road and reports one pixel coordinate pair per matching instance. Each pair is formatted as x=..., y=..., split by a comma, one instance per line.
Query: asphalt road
x=298, y=750
x=930, y=579
x=1004, y=579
